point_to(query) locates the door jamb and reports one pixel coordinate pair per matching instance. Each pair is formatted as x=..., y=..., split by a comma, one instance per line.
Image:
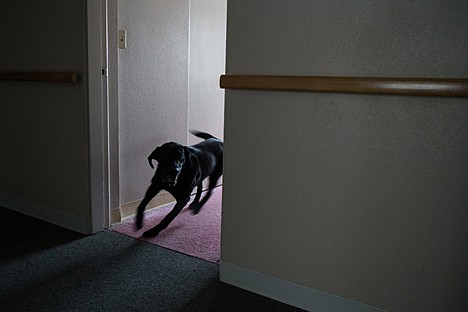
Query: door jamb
x=98, y=115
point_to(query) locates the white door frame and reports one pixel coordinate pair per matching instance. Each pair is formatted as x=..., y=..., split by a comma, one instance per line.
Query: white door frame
x=98, y=115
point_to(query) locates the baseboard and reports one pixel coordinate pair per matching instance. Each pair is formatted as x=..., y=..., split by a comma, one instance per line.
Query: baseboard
x=129, y=209
x=45, y=213
x=288, y=292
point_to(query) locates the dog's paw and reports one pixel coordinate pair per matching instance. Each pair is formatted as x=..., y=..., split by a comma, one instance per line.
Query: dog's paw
x=196, y=209
x=139, y=223
x=194, y=206
x=151, y=233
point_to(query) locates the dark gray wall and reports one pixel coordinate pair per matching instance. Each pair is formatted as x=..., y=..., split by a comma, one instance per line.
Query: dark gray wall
x=44, y=164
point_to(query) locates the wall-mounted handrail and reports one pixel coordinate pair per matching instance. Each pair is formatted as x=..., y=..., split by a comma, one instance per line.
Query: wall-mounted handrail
x=451, y=87
x=40, y=76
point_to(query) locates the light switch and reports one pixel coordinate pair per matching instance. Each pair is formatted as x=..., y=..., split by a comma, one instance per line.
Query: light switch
x=122, y=39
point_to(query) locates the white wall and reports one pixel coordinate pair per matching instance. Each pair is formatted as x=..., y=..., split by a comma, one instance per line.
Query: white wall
x=153, y=86
x=206, y=64
x=356, y=195
x=168, y=81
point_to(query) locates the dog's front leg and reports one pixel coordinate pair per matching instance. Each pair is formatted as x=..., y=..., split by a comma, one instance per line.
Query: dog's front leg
x=152, y=191
x=167, y=219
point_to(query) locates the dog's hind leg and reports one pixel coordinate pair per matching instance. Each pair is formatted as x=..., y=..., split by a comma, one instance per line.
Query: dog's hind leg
x=213, y=181
x=167, y=219
x=152, y=191
x=196, y=200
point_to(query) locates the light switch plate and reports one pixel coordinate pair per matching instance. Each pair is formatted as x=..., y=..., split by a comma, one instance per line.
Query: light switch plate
x=122, y=39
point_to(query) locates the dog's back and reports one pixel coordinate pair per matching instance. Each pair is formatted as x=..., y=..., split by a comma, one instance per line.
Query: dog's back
x=209, y=153
x=212, y=144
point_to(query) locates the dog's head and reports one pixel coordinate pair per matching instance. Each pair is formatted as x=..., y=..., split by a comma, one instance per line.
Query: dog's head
x=171, y=158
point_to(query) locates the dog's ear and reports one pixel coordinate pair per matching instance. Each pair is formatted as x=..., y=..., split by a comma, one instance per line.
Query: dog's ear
x=154, y=155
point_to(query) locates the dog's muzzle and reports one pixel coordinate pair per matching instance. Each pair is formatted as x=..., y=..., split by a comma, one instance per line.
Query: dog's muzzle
x=171, y=177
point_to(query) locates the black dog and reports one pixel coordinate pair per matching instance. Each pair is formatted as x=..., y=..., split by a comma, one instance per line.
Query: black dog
x=180, y=169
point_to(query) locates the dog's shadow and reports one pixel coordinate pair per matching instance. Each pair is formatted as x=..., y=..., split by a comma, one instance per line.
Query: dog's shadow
x=171, y=229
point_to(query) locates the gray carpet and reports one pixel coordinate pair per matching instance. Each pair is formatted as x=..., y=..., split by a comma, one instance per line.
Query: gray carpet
x=47, y=268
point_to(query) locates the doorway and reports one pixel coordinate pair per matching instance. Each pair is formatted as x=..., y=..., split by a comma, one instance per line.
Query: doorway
x=163, y=83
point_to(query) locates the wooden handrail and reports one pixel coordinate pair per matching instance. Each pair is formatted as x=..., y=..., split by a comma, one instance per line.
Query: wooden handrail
x=40, y=76
x=366, y=85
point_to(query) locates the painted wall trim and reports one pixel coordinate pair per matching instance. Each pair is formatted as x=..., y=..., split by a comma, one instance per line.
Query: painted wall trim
x=45, y=213
x=288, y=292
x=129, y=209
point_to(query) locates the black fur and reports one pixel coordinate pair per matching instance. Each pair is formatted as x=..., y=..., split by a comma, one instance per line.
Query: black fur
x=181, y=169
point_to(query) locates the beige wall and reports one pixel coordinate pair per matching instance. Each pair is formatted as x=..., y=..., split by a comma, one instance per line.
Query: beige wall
x=356, y=195
x=44, y=162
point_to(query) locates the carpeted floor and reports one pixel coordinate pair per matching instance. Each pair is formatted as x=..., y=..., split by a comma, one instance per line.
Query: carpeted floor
x=47, y=268
x=194, y=235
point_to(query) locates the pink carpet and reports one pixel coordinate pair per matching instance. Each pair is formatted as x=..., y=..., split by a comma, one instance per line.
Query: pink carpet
x=195, y=235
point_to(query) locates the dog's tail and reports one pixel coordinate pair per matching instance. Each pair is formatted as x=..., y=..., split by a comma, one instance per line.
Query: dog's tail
x=203, y=135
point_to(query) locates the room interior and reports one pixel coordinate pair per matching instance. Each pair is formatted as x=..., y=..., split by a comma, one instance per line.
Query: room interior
x=331, y=201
